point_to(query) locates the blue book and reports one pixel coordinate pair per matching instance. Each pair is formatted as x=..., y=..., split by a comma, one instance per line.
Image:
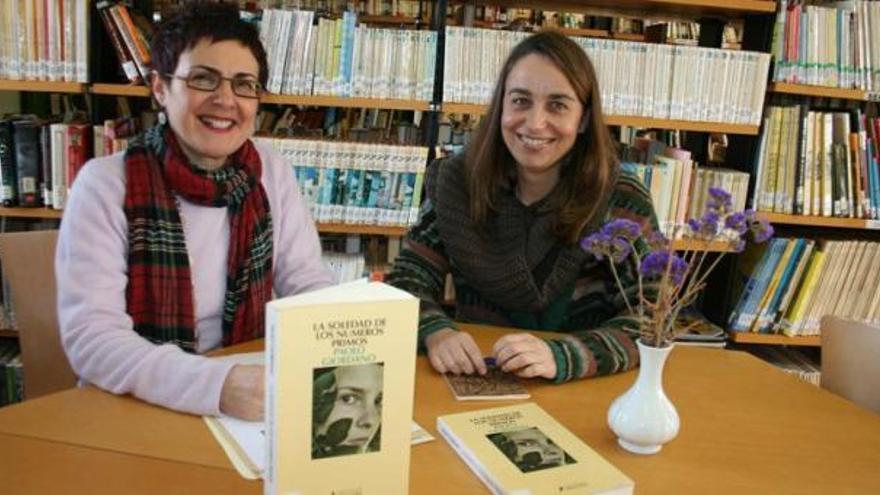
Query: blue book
x=752, y=299
x=765, y=320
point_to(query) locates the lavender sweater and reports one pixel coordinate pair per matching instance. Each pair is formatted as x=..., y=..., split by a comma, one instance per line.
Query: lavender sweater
x=91, y=265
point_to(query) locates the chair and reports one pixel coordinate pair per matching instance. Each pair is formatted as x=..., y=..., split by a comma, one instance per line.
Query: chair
x=851, y=361
x=28, y=263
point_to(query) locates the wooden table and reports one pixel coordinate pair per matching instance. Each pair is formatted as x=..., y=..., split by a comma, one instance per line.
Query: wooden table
x=746, y=428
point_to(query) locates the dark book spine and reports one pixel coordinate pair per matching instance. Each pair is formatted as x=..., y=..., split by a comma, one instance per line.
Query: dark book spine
x=125, y=59
x=46, y=162
x=27, y=159
x=7, y=164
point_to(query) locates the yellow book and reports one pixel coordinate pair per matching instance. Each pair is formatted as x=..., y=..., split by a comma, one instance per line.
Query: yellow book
x=522, y=450
x=340, y=371
x=796, y=313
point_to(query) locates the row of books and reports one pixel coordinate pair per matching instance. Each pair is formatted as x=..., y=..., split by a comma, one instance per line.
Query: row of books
x=793, y=282
x=679, y=188
x=11, y=382
x=345, y=267
x=377, y=125
x=815, y=162
x=39, y=160
x=641, y=79
x=46, y=41
x=130, y=36
x=357, y=183
x=337, y=58
x=836, y=44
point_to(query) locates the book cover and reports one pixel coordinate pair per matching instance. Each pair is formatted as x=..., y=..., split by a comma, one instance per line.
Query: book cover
x=522, y=449
x=494, y=385
x=340, y=373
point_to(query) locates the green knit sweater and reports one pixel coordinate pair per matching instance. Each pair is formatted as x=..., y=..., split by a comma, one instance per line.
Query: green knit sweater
x=585, y=302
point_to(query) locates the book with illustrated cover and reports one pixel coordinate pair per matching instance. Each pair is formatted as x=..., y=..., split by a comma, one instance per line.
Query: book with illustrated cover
x=494, y=385
x=340, y=372
x=245, y=441
x=522, y=450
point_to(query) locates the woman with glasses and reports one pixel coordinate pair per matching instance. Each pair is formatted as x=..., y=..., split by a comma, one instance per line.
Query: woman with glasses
x=505, y=217
x=173, y=247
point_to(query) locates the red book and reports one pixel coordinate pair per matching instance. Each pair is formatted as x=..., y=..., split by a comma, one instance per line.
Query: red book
x=78, y=148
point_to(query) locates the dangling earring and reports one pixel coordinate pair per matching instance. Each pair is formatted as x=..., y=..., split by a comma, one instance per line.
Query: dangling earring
x=161, y=117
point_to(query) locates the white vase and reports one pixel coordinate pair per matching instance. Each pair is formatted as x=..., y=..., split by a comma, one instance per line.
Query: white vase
x=643, y=418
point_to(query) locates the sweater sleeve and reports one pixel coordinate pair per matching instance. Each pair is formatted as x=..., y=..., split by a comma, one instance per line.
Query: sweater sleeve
x=421, y=269
x=96, y=332
x=298, y=265
x=610, y=347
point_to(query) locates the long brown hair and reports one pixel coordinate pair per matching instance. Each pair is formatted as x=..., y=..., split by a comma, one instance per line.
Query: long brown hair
x=588, y=169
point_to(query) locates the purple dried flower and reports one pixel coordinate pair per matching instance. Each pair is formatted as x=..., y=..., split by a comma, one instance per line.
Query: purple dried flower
x=737, y=222
x=740, y=246
x=654, y=266
x=620, y=249
x=624, y=228
x=657, y=241
x=761, y=230
x=719, y=200
x=598, y=244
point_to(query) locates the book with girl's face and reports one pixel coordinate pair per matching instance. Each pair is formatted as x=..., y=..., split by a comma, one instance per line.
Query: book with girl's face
x=523, y=450
x=340, y=372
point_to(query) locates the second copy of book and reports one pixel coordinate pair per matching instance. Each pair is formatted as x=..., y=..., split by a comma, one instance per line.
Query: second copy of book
x=340, y=373
x=523, y=450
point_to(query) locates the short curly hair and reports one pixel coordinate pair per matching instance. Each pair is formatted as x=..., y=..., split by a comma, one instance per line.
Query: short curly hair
x=204, y=20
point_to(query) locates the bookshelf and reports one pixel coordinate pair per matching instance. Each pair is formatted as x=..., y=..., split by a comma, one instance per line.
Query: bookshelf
x=817, y=91
x=829, y=222
x=38, y=213
x=642, y=8
x=765, y=338
x=42, y=86
x=8, y=334
x=275, y=99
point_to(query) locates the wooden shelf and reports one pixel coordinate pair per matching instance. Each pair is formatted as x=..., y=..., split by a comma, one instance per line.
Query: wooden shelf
x=600, y=33
x=820, y=91
x=700, y=245
x=333, y=101
x=320, y=101
x=119, y=90
x=833, y=222
x=12, y=334
x=45, y=213
x=344, y=228
x=633, y=121
x=42, y=86
x=638, y=7
x=766, y=338
x=387, y=19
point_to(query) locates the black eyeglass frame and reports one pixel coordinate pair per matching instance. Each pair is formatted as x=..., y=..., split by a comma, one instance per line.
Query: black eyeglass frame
x=220, y=79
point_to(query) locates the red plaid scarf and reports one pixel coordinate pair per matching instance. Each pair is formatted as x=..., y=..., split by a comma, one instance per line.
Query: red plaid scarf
x=160, y=292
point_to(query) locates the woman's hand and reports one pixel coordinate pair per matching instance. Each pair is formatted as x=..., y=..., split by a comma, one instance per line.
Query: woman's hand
x=452, y=351
x=525, y=355
x=242, y=395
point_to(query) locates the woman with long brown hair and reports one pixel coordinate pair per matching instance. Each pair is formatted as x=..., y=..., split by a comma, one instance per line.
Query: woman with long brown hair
x=505, y=217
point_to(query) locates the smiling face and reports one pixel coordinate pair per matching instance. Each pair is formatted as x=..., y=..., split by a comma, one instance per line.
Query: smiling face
x=210, y=125
x=359, y=399
x=540, y=118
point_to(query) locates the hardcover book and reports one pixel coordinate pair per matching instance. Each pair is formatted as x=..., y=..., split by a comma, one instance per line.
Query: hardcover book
x=340, y=373
x=494, y=385
x=523, y=450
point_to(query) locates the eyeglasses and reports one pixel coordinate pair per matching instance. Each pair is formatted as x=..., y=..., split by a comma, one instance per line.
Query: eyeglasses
x=206, y=79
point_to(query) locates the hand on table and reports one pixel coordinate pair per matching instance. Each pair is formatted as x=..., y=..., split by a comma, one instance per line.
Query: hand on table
x=452, y=351
x=525, y=355
x=242, y=395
